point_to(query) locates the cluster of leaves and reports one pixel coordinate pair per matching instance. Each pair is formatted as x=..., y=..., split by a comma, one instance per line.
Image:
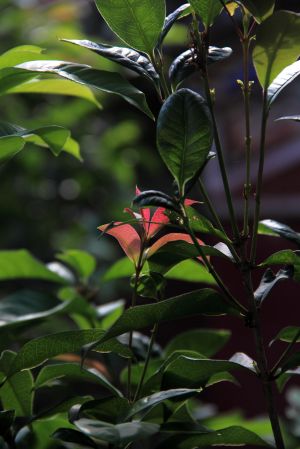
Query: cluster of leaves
x=146, y=393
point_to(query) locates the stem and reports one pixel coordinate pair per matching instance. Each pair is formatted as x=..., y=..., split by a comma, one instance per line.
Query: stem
x=160, y=70
x=259, y=177
x=152, y=340
x=216, y=218
x=230, y=299
x=223, y=170
x=133, y=303
x=265, y=375
x=246, y=92
x=285, y=354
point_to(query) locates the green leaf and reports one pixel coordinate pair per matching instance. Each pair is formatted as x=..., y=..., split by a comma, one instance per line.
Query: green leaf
x=190, y=271
x=283, y=379
x=108, y=409
x=205, y=341
x=274, y=228
x=285, y=256
x=74, y=436
x=191, y=372
x=146, y=19
x=207, y=10
x=147, y=403
x=37, y=351
x=119, y=434
x=55, y=87
x=73, y=371
x=199, y=223
x=11, y=77
x=127, y=57
x=259, y=9
x=54, y=137
x=184, y=135
x=180, y=12
x=277, y=45
x=186, y=63
x=205, y=301
x=25, y=307
x=83, y=263
x=121, y=269
x=230, y=436
x=110, y=82
x=20, y=264
x=281, y=81
x=10, y=146
x=20, y=54
x=269, y=280
x=288, y=334
x=17, y=391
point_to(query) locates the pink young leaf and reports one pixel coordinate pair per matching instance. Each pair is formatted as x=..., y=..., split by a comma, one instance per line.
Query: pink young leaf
x=158, y=220
x=127, y=237
x=189, y=202
x=173, y=237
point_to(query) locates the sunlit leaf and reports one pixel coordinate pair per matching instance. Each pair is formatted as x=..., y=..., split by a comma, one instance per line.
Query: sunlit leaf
x=277, y=45
x=136, y=22
x=110, y=82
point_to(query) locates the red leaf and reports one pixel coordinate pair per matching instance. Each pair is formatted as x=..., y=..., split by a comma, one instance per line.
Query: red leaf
x=127, y=237
x=158, y=220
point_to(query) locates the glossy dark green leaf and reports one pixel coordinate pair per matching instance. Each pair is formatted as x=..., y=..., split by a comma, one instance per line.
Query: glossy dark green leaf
x=230, y=436
x=109, y=409
x=207, y=10
x=110, y=82
x=186, y=63
x=282, y=80
x=269, y=280
x=74, y=436
x=274, y=228
x=259, y=9
x=64, y=405
x=205, y=301
x=294, y=118
x=83, y=263
x=24, y=307
x=156, y=198
x=127, y=57
x=205, y=341
x=277, y=45
x=291, y=363
x=17, y=392
x=138, y=23
x=73, y=371
x=184, y=135
x=119, y=434
x=194, y=372
x=37, y=351
x=201, y=224
x=147, y=403
x=20, y=264
x=182, y=11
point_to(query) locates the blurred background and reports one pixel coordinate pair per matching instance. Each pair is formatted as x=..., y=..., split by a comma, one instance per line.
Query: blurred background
x=49, y=204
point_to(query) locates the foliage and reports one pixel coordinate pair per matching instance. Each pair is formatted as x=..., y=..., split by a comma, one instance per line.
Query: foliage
x=141, y=393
